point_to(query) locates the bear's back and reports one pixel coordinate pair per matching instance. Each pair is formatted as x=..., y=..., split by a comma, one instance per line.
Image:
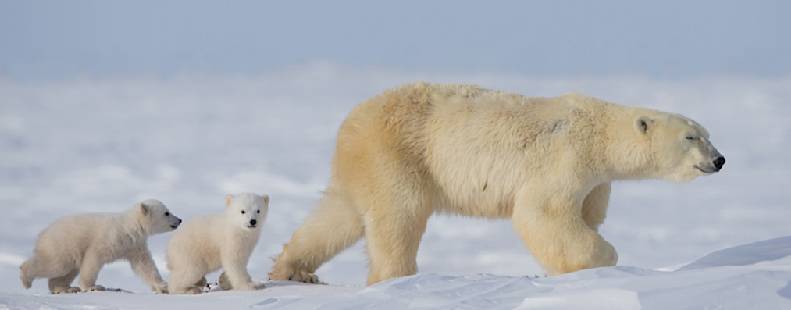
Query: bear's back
x=74, y=234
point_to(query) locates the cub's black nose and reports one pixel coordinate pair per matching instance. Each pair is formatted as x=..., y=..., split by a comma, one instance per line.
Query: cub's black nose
x=252, y=222
x=719, y=162
x=179, y=221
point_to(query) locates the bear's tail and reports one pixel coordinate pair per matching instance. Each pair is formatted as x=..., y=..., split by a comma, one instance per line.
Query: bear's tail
x=24, y=273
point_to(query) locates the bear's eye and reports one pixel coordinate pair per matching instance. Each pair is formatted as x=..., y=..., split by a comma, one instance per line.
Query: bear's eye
x=257, y=211
x=691, y=138
x=167, y=213
x=242, y=211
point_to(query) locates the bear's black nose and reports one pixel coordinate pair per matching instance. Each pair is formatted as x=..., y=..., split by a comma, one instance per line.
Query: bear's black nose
x=252, y=222
x=719, y=162
x=179, y=221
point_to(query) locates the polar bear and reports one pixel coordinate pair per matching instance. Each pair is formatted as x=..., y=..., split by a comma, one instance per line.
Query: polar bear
x=224, y=240
x=544, y=163
x=82, y=244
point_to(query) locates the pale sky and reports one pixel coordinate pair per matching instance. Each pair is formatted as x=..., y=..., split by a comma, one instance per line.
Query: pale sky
x=661, y=39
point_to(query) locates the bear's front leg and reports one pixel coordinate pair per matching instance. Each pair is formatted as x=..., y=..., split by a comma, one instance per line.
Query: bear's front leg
x=145, y=268
x=551, y=225
x=234, y=265
x=89, y=271
x=225, y=284
x=594, y=207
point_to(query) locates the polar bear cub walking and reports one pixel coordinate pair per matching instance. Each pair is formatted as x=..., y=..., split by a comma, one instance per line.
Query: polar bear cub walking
x=82, y=244
x=223, y=240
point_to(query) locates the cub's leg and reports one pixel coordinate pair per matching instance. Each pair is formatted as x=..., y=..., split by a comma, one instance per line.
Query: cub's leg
x=43, y=265
x=225, y=283
x=62, y=284
x=234, y=258
x=89, y=272
x=187, y=280
x=144, y=267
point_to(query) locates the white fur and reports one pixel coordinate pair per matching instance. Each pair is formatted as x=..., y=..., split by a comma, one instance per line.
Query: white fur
x=224, y=240
x=546, y=163
x=82, y=244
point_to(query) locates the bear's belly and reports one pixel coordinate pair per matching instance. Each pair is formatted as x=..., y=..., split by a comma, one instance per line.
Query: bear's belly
x=487, y=205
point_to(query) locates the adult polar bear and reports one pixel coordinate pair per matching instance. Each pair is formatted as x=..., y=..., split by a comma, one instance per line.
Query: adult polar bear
x=546, y=163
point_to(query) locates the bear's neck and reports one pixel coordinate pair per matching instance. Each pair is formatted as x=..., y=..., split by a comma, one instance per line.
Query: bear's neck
x=134, y=226
x=626, y=155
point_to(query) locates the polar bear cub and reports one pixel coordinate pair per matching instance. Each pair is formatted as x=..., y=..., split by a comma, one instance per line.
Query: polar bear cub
x=82, y=244
x=224, y=240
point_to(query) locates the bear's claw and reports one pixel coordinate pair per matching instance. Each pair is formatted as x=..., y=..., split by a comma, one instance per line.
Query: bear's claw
x=305, y=277
x=65, y=290
x=195, y=290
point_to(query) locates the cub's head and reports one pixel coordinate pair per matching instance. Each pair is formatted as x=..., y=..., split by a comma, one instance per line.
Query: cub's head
x=247, y=210
x=679, y=149
x=155, y=217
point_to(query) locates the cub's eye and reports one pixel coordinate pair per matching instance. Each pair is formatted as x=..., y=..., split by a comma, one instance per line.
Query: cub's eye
x=167, y=213
x=242, y=211
x=257, y=211
x=691, y=138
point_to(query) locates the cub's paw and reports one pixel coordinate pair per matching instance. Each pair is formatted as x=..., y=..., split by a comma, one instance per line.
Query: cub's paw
x=252, y=286
x=95, y=288
x=202, y=283
x=161, y=288
x=65, y=290
x=224, y=283
x=194, y=290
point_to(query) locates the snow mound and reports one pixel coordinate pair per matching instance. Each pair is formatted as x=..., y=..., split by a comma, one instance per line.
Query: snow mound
x=605, y=299
x=743, y=255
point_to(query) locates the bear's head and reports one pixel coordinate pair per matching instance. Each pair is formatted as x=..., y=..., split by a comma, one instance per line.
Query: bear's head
x=247, y=210
x=676, y=148
x=155, y=217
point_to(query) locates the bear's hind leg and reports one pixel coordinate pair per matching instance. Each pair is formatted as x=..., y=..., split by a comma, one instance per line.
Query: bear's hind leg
x=331, y=228
x=183, y=281
x=62, y=284
x=42, y=266
x=393, y=229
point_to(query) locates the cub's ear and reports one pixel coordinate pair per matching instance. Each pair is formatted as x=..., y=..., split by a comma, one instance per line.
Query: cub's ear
x=265, y=199
x=643, y=124
x=143, y=208
x=228, y=200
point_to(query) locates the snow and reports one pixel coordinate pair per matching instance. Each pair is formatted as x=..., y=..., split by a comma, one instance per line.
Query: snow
x=87, y=144
x=722, y=285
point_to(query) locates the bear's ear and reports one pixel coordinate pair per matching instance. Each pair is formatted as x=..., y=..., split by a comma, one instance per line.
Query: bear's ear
x=143, y=208
x=228, y=200
x=265, y=199
x=643, y=124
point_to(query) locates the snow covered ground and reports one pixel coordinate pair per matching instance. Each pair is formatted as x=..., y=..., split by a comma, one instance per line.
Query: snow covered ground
x=743, y=277
x=101, y=144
